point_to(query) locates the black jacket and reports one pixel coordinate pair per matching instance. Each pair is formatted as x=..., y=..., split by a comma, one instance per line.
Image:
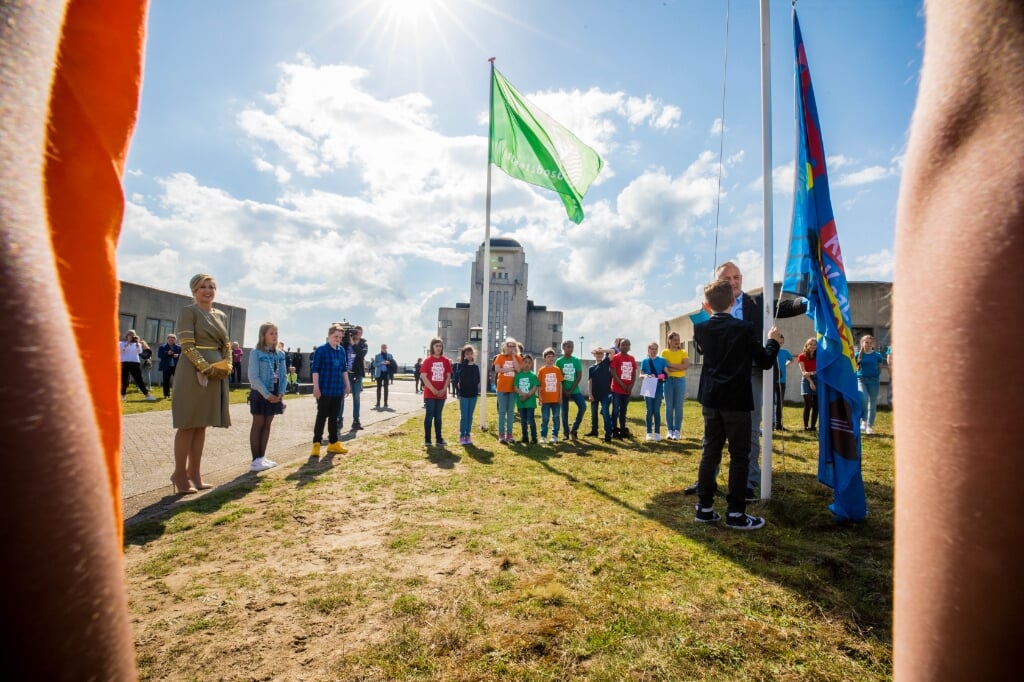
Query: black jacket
x=729, y=346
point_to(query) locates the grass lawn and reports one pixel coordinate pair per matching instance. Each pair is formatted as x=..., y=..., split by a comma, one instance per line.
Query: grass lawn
x=490, y=562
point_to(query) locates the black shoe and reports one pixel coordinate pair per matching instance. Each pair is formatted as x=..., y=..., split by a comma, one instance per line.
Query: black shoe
x=593, y=434
x=534, y=440
x=710, y=516
x=691, y=490
x=524, y=441
x=744, y=522
x=356, y=426
x=624, y=433
x=385, y=406
x=751, y=496
x=442, y=442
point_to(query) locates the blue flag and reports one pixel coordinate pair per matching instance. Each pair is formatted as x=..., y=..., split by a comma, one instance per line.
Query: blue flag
x=814, y=269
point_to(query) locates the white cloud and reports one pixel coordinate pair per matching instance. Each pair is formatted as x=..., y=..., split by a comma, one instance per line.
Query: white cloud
x=873, y=266
x=863, y=176
x=717, y=128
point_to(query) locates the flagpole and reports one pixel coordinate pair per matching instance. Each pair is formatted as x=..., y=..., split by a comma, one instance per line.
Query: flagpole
x=485, y=266
x=767, y=394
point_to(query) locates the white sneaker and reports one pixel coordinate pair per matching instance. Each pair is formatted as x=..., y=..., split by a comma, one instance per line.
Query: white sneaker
x=269, y=462
x=657, y=436
x=675, y=435
x=868, y=429
x=261, y=464
x=150, y=398
x=552, y=440
x=650, y=436
x=863, y=425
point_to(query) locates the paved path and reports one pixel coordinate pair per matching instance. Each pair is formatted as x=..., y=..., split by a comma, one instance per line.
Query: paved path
x=147, y=456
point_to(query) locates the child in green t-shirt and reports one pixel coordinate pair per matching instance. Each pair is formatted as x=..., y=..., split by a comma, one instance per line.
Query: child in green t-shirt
x=526, y=384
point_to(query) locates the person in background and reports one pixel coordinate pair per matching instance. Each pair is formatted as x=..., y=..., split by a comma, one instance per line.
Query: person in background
x=357, y=372
x=654, y=367
x=417, y=386
x=266, y=377
x=675, y=385
x=201, y=390
x=293, y=380
x=469, y=391
x=600, y=392
x=505, y=365
x=436, y=372
x=526, y=385
x=381, y=372
x=131, y=348
x=550, y=394
x=329, y=367
x=168, y=354
x=624, y=370
x=236, y=364
x=782, y=362
x=809, y=383
x=297, y=361
x=869, y=364
x=572, y=370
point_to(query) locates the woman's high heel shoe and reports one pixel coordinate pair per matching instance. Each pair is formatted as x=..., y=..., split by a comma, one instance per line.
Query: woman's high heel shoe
x=178, y=490
x=199, y=485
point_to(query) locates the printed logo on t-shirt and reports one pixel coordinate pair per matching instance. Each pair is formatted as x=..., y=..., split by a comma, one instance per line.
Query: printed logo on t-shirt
x=437, y=372
x=550, y=382
x=524, y=384
x=627, y=371
x=569, y=372
x=509, y=367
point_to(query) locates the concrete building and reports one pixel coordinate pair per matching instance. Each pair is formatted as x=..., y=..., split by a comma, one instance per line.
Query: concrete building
x=510, y=312
x=870, y=313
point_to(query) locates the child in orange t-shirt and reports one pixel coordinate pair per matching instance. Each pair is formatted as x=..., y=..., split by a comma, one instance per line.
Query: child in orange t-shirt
x=550, y=395
x=506, y=364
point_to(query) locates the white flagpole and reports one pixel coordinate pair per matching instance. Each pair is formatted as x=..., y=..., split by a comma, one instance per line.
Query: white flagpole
x=485, y=368
x=767, y=384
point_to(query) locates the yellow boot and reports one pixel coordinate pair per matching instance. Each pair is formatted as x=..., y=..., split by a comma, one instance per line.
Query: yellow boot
x=337, y=448
x=316, y=450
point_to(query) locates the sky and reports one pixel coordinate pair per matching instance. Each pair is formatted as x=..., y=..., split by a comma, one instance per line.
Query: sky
x=326, y=160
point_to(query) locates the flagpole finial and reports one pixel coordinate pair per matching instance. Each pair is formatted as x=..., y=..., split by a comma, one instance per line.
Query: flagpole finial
x=491, y=60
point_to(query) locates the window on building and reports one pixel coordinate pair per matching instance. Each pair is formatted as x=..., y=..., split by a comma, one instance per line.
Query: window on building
x=695, y=357
x=127, y=322
x=157, y=330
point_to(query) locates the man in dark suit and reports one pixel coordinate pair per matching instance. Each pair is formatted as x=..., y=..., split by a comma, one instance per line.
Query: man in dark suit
x=168, y=354
x=730, y=347
x=747, y=307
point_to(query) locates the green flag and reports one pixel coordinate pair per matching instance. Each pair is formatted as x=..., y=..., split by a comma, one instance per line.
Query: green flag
x=529, y=145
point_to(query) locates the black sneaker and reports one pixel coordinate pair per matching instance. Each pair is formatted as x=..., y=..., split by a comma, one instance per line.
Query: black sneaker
x=751, y=496
x=356, y=426
x=691, y=490
x=593, y=434
x=442, y=443
x=744, y=522
x=710, y=516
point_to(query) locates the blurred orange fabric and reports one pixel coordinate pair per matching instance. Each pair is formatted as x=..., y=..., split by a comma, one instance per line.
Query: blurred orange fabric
x=94, y=102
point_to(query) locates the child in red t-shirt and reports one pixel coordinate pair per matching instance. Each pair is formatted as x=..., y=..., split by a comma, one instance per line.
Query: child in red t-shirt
x=624, y=372
x=435, y=372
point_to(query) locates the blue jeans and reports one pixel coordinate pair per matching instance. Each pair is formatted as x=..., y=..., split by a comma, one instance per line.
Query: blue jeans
x=620, y=403
x=434, y=410
x=868, y=388
x=506, y=412
x=549, y=411
x=357, y=390
x=675, y=393
x=528, y=422
x=466, y=407
x=653, y=413
x=580, y=403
